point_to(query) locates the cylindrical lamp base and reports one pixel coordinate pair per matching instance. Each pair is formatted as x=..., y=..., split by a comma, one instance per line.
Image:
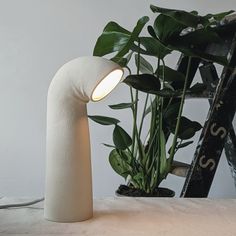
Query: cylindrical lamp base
x=68, y=194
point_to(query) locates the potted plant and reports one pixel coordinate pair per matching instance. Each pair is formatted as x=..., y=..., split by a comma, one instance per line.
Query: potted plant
x=143, y=157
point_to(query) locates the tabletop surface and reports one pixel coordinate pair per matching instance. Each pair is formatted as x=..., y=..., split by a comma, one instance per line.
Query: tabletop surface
x=129, y=216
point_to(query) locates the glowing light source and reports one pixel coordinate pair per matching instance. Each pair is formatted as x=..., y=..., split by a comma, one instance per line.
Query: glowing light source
x=107, y=84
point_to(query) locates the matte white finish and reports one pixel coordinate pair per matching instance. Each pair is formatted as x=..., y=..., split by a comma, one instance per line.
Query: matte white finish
x=68, y=195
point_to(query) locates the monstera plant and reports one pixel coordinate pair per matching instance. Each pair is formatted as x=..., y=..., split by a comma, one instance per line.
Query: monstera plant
x=143, y=157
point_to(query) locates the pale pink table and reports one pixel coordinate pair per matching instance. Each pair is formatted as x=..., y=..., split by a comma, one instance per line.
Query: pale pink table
x=129, y=216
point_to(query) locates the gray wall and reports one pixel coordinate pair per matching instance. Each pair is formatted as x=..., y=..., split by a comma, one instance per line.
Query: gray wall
x=36, y=38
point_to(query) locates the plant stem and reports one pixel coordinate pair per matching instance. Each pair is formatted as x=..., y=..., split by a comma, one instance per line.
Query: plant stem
x=172, y=152
x=133, y=132
x=151, y=141
x=143, y=115
x=135, y=110
x=135, y=129
x=158, y=140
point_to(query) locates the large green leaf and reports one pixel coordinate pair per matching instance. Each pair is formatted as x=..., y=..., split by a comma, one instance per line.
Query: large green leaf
x=119, y=165
x=168, y=74
x=195, y=38
x=171, y=112
x=144, y=66
x=190, y=45
x=123, y=61
x=166, y=27
x=133, y=37
x=114, y=38
x=186, y=18
x=187, y=128
x=195, y=52
x=187, y=133
x=144, y=82
x=121, y=138
x=104, y=120
x=153, y=47
x=151, y=31
x=219, y=16
x=125, y=155
x=110, y=42
x=114, y=27
x=139, y=26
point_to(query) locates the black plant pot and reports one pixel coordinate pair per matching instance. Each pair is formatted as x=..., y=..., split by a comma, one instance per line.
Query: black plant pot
x=127, y=191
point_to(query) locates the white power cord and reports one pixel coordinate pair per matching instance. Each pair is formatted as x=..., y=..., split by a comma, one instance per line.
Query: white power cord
x=21, y=204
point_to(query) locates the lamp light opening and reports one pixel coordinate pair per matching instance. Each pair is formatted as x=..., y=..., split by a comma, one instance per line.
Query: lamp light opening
x=107, y=84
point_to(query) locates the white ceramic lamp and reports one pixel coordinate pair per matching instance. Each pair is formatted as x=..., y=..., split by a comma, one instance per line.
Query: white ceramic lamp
x=68, y=194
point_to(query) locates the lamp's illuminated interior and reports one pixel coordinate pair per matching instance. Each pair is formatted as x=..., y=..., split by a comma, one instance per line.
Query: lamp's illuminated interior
x=107, y=85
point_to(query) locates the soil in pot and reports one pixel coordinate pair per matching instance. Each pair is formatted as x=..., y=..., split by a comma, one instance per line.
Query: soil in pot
x=127, y=191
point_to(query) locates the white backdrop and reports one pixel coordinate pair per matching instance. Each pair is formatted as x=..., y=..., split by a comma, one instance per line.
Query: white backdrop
x=36, y=38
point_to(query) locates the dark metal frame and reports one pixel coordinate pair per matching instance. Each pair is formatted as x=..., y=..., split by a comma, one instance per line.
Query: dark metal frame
x=217, y=132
